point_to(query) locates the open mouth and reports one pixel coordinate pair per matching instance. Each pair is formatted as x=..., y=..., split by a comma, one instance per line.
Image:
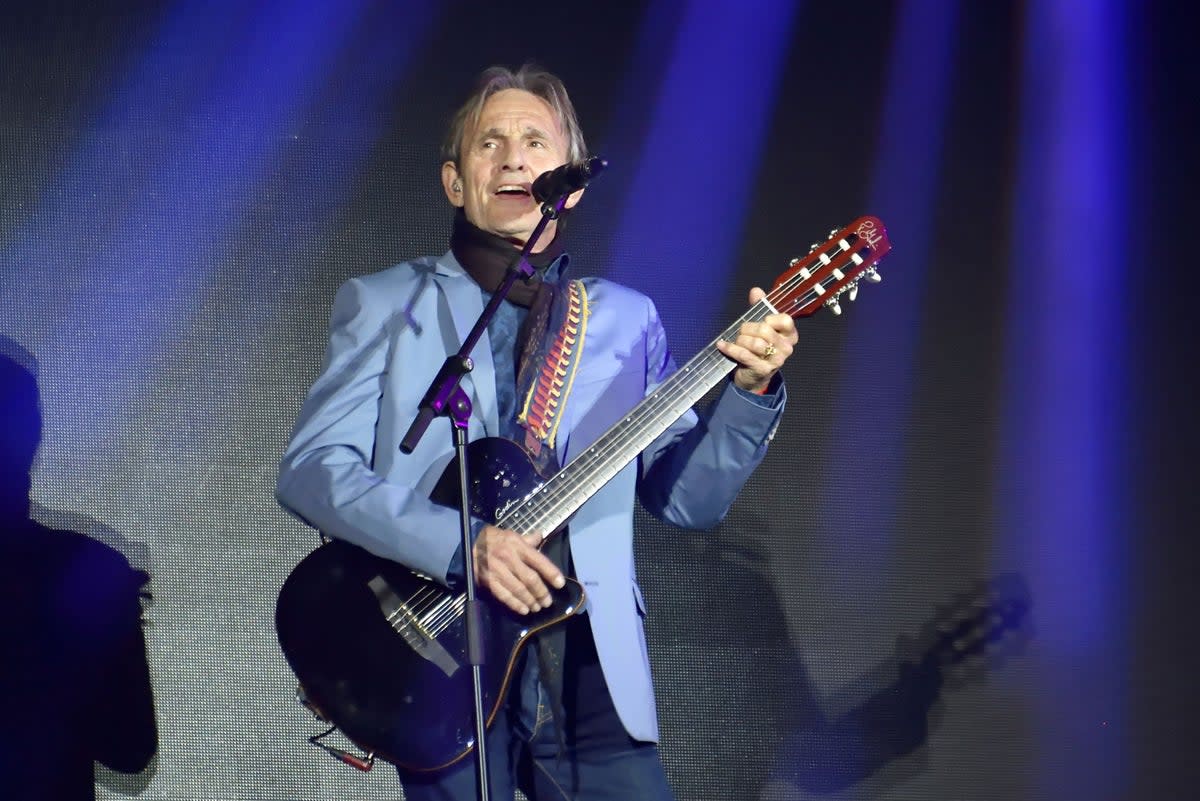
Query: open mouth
x=512, y=190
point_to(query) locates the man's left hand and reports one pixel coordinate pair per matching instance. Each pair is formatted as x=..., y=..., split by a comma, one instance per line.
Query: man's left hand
x=760, y=348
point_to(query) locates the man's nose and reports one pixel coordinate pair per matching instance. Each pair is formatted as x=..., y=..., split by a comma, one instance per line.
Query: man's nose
x=513, y=156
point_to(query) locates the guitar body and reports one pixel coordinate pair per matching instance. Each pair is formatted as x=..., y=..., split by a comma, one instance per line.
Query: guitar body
x=380, y=651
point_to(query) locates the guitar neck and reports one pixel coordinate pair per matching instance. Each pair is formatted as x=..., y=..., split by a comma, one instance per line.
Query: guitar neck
x=553, y=503
x=831, y=269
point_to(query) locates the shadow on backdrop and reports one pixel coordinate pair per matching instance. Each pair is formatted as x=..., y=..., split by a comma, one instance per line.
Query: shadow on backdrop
x=865, y=737
x=74, y=681
x=746, y=676
x=723, y=658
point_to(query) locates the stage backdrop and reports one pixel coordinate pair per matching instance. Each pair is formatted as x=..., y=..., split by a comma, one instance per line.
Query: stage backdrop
x=960, y=572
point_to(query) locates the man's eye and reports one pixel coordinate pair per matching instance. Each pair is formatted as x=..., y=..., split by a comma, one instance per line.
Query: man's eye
x=536, y=143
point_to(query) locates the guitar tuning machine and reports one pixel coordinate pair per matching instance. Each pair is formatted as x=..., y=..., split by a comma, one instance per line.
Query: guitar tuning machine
x=872, y=274
x=851, y=290
x=833, y=305
x=833, y=233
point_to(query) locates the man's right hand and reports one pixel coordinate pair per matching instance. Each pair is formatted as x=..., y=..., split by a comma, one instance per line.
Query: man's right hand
x=510, y=566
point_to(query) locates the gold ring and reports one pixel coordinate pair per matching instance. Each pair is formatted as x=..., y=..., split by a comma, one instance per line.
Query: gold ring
x=769, y=352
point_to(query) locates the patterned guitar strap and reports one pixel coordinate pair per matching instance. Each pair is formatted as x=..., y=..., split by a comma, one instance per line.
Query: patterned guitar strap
x=545, y=374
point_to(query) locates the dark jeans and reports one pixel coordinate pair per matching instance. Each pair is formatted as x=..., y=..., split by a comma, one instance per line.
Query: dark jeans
x=598, y=760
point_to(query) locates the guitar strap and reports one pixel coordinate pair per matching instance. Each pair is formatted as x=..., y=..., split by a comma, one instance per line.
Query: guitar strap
x=545, y=375
x=546, y=371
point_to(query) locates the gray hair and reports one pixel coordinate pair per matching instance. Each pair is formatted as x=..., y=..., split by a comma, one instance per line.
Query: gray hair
x=529, y=78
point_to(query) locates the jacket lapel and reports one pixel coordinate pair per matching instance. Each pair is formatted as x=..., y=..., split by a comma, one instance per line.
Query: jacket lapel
x=464, y=301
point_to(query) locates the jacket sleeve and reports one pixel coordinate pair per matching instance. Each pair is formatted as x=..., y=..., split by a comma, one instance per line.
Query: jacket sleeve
x=326, y=476
x=692, y=473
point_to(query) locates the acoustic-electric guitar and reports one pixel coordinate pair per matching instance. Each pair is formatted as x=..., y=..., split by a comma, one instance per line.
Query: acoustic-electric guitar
x=380, y=650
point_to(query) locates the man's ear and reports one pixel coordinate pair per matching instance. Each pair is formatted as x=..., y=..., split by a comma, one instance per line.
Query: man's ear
x=452, y=184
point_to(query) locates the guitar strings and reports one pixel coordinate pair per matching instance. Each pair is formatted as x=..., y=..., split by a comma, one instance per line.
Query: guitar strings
x=441, y=613
x=409, y=605
x=537, y=507
x=451, y=613
x=598, y=460
x=537, y=510
x=435, y=615
x=696, y=373
x=595, y=467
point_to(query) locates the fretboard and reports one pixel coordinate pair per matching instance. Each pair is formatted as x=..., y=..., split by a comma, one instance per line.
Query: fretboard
x=550, y=506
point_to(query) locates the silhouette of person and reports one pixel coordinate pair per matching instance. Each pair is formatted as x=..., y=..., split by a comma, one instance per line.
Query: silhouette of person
x=74, y=683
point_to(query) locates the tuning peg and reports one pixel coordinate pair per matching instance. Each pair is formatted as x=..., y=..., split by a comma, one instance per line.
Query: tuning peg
x=832, y=303
x=832, y=232
x=873, y=276
x=794, y=262
x=852, y=290
x=812, y=248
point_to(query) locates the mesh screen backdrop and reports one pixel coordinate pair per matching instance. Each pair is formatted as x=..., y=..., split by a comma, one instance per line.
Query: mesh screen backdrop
x=953, y=577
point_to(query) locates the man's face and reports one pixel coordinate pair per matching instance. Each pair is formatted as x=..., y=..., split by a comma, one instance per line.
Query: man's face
x=517, y=139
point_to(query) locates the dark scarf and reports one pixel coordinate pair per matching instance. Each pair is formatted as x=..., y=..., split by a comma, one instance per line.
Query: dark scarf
x=486, y=258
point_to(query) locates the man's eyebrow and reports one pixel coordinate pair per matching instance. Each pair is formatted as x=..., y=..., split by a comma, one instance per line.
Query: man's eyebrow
x=530, y=132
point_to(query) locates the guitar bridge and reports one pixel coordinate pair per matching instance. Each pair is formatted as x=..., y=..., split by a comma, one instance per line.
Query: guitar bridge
x=409, y=625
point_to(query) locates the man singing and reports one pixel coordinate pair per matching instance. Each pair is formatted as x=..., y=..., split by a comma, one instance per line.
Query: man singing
x=583, y=726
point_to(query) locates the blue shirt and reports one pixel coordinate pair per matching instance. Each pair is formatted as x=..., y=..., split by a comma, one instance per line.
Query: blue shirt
x=503, y=330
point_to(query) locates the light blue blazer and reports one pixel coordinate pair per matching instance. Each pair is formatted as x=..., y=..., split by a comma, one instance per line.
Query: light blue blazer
x=344, y=474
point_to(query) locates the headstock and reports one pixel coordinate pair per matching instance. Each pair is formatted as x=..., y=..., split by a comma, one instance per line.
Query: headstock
x=832, y=268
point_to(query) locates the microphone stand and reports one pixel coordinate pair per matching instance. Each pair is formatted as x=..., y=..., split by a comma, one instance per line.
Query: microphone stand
x=446, y=398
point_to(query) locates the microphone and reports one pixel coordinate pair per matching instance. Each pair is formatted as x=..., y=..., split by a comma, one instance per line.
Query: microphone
x=566, y=179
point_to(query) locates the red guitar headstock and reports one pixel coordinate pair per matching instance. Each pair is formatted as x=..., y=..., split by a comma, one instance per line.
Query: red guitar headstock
x=832, y=268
